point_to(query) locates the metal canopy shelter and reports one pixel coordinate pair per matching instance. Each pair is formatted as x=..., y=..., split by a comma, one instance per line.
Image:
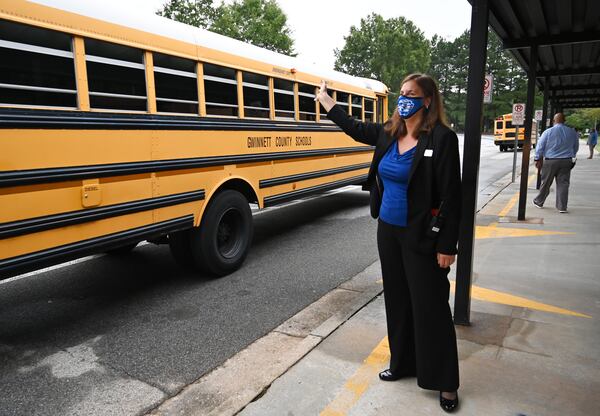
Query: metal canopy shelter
x=557, y=43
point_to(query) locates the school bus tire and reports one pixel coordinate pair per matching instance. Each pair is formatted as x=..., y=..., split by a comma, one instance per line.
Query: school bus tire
x=221, y=243
x=179, y=244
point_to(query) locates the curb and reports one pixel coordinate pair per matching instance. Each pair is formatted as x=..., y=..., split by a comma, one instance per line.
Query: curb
x=247, y=376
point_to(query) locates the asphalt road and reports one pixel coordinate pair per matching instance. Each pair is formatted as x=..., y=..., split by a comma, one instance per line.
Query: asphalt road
x=117, y=335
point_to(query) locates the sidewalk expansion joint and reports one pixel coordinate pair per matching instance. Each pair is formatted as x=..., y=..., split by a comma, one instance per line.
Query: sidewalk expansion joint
x=350, y=290
x=293, y=335
x=540, y=354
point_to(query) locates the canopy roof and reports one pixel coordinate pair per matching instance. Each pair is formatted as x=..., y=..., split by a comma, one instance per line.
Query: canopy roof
x=567, y=33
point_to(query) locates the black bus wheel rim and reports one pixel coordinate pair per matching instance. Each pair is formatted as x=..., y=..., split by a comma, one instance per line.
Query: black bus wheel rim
x=229, y=233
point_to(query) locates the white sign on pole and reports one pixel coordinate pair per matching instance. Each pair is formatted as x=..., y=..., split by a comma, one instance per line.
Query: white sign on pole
x=538, y=115
x=518, y=114
x=488, y=87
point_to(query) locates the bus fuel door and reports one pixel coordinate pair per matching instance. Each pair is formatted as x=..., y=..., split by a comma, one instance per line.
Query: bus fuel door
x=91, y=194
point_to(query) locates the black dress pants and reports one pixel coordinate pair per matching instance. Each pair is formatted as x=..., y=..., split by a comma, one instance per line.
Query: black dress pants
x=419, y=321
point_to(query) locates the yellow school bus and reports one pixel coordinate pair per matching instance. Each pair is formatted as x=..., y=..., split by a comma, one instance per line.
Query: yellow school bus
x=118, y=127
x=504, y=133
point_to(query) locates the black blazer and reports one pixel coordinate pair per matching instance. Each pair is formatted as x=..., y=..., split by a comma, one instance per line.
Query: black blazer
x=432, y=180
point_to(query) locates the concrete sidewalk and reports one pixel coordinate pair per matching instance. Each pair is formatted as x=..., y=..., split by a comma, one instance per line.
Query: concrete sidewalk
x=532, y=348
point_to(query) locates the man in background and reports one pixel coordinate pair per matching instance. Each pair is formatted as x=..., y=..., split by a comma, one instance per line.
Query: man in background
x=555, y=155
x=592, y=141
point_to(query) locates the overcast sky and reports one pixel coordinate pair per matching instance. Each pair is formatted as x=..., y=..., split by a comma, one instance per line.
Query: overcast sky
x=319, y=26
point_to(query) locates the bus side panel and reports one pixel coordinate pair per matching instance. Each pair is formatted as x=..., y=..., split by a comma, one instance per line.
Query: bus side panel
x=36, y=149
x=29, y=243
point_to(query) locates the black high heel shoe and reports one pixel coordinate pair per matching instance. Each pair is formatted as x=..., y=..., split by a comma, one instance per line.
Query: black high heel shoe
x=448, y=405
x=387, y=375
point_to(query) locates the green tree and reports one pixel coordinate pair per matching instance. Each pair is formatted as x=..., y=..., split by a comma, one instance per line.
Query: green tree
x=450, y=65
x=259, y=22
x=386, y=50
x=442, y=63
x=583, y=118
x=199, y=13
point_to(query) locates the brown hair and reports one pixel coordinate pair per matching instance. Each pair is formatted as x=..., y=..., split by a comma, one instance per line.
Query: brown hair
x=396, y=127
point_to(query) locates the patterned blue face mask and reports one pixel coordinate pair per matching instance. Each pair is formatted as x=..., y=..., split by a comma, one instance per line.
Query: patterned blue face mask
x=408, y=106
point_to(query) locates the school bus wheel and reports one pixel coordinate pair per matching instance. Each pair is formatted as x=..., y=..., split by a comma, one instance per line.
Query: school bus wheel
x=220, y=245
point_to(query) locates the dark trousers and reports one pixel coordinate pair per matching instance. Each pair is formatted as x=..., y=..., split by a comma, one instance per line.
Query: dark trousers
x=561, y=170
x=419, y=321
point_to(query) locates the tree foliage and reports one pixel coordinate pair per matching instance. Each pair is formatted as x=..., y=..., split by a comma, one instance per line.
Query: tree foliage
x=199, y=13
x=386, y=50
x=259, y=22
x=450, y=65
x=583, y=119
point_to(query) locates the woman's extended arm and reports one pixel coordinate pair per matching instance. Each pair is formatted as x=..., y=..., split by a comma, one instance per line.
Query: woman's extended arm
x=367, y=133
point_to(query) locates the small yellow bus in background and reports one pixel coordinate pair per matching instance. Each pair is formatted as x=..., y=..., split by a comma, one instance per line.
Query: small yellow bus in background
x=504, y=133
x=117, y=128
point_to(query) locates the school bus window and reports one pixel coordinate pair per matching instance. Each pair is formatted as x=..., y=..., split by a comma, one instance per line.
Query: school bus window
x=380, y=110
x=284, y=99
x=175, y=84
x=357, y=106
x=342, y=100
x=220, y=90
x=369, y=107
x=499, y=125
x=37, y=67
x=256, y=95
x=306, y=102
x=116, y=76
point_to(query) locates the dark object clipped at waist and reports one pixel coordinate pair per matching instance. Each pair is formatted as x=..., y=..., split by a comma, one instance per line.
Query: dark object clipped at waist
x=436, y=224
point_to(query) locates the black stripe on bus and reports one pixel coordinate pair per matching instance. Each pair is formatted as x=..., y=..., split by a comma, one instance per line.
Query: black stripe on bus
x=48, y=222
x=54, y=119
x=288, y=196
x=265, y=183
x=21, y=264
x=34, y=176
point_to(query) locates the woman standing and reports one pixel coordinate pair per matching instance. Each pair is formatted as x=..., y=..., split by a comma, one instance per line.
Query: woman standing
x=415, y=186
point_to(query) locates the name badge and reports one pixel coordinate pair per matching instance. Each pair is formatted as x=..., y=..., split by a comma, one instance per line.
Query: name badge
x=428, y=153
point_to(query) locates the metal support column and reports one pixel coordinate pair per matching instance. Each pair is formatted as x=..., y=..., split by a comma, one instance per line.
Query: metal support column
x=528, y=121
x=471, y=154
x=545, y=107
x=538, y=181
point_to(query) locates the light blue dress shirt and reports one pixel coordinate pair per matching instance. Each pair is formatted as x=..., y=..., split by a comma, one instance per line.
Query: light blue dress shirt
x=557, y=142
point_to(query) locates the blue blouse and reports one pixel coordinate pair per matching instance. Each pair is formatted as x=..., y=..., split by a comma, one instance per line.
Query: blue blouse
x=393, y=171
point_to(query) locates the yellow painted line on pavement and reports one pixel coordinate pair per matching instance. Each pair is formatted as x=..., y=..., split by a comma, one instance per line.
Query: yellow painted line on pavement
x=492, y=231
x=511, y=203
x=358, y=384
x=495, y=296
